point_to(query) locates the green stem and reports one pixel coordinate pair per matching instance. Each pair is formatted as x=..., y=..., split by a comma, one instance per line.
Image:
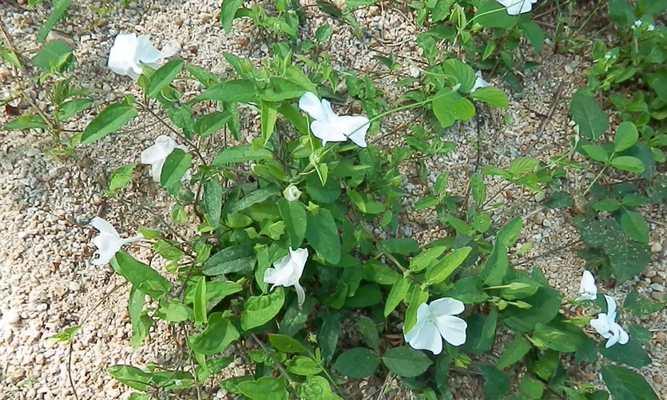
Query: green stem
x=597, y=177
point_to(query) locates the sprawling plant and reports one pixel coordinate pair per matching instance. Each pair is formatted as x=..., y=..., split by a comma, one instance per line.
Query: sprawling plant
x=285, y=248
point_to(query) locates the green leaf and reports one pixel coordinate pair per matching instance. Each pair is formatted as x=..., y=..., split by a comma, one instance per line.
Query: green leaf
x=404, y=247
x=635, y=226
x=26, y=122
x=369, y=332
x=173, y=311
x=140, y=275
x=443, y=269
x=426, y=258
x=585, y=111
x=264, y=388
x=449, y=106
x=497, y=265
x=534, y=33
x=546, y=336
x=365, y=296
x=628, y=163
x=509, y=233
x=481, y=332
x=357, y=363
x=545, y=304
x=303, y=366
x=268, y=118
x=397, y=294
x=327, y=337
x=217, y=336
x=232, y=259
x=200, y=303
x=491, y=96
x=631, y=354
x=491, y=14
x=121, y=178
x=287, y=344
x=212, y=202
x=141, y=322
x=531, y=388
x=109, y=120
x=70, y=108
x=255, y=197
x=322, y=235
x=496, y=382
x=173, y=170
x=259, y=310
x=241, y=154
x=211, y=123
x=626, y=384
x=228, y=12
x=216, y=291
x=66, y=335
x=596, y=152
x=58, y=12
x=234, y=91
x=163, y=76
x=53, y=56
x=514, y=352
x=316, y=388
x=406, y=362
x=626, y=136
x=462, y=73
x=295, y=217
x=640, y=305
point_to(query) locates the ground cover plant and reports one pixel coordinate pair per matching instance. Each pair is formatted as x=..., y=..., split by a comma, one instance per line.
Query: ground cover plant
x=294, y=259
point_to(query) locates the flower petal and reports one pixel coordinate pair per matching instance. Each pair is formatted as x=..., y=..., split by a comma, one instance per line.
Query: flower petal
x=587, y=288
x=146, y=52
x=122, y=56
x=310, y=103
x=425, y=336
x=103, y=226
x=298, y=258
x=300, y=294
x=163, y=146
x=107, y=246
x=623, y=336
x=446, y=306
x=327, y=131
x=611, y=308
x=516, y=7
x=601, y=325
x=479, y=82
x=452, y=329
x=355, y=128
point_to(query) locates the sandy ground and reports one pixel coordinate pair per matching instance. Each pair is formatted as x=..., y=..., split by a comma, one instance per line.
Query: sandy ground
x=47, y=282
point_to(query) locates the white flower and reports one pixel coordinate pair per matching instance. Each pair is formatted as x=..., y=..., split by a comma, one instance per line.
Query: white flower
x=291, y=193
x=156, y=154
x=637, y=24
x=587, y=288
x=330, y=127
x=516, y=7
x=108, y=242
x=129, y=52
x=436, y=321
x=287, y=271
x=605, y=325
x=479, y=82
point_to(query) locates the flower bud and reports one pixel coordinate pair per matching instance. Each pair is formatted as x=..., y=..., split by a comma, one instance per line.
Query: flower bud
x=291, y=193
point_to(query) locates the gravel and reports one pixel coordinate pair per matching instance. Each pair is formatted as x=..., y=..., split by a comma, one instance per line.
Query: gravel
x=47, y=282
